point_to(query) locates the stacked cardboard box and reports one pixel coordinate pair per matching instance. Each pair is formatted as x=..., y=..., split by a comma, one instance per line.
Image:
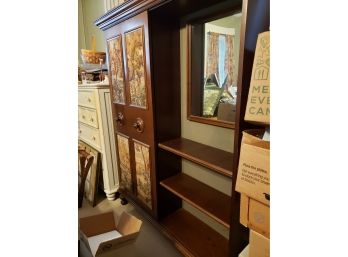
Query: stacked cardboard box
x=258, y=105
x=253, y=182
x=253, y=179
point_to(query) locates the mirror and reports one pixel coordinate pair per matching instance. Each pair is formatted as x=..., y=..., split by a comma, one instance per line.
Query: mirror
x=213, y=70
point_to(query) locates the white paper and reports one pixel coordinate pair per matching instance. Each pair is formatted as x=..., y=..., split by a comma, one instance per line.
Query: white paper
x=245, y=252
x=94, y=241
x=267, y=134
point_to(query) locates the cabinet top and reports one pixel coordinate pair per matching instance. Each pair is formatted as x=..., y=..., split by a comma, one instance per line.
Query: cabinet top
x=131, y=8
x=124, y=11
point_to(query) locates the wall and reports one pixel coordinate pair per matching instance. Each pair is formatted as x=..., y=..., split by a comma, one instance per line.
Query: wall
x=81, y=30
x=89, y=11
x=218, y=137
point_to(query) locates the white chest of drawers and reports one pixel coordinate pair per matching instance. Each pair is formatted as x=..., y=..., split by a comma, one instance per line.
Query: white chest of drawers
x=96, y=129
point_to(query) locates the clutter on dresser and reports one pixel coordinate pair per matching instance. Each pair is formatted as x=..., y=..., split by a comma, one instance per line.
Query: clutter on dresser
x=93, y=68
x=94, y=77
x=92, y=74
x=92, y=56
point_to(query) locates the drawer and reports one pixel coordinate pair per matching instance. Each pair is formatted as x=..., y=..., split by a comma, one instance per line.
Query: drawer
x=87, y=99
x=89, y=135
x=88, y=116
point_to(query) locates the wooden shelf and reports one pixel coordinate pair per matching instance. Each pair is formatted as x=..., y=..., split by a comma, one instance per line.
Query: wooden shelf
x=207, y=156
x=193, y=236
x=205, y=198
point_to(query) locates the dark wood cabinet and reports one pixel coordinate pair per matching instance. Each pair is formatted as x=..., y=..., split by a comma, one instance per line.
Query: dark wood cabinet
x=148, y=120
x=131, y=93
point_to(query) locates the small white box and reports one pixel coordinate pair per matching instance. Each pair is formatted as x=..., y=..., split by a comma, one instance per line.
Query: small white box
x=245, y=252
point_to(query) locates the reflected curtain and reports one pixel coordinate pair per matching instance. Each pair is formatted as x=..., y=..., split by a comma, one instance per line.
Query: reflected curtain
x=225, y=58
x=229, y=60
x=212, y=54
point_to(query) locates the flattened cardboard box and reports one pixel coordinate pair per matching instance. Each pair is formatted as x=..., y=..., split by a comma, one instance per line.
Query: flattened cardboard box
x=258, y=105
x=100, y=234
x=255, y=215
x=253, y=178
x=259, y=245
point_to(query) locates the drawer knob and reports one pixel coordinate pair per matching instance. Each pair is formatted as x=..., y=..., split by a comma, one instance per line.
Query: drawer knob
x=119, y=119
x=89, y=99
x=139, y=125
x=93, y=138
x=80, y=131
x=83, y=117
x=92, y=119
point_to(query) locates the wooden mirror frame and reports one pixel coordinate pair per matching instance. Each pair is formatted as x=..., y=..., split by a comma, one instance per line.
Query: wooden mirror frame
x=198, y=71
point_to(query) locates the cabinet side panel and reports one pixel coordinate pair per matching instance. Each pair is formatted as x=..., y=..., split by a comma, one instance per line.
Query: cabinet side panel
x=110, y=149
x=165, y=54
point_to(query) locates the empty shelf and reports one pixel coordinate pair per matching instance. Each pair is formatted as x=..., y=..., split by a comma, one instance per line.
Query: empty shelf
x=207, y=156
x=194, y=236
x=205, y=198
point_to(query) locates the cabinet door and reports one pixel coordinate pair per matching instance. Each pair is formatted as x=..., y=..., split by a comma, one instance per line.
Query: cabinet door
x=130, y=79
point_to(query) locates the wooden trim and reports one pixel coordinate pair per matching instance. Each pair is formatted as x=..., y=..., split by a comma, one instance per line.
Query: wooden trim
x=203, y=197
x=188, y=65
x=219, y=123
x=212, y=158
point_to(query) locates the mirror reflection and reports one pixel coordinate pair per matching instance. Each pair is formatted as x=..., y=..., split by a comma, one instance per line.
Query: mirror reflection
x=214, y=77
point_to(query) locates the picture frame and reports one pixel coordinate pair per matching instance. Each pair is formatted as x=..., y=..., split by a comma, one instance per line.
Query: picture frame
x=92, y=180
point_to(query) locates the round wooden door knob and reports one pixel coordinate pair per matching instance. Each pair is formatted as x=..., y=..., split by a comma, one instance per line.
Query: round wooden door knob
x=139, y=125
x=120, y=118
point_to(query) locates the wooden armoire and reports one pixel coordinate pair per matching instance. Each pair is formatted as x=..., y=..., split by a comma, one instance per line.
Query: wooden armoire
x=143, y=51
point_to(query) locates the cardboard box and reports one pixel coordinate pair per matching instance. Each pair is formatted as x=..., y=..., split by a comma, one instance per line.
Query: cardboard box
x=100, y=234
x=253, y=178
x=227, y=112
x=255, y=215
x=258, y=245
x=258, y=105
x=244, y=210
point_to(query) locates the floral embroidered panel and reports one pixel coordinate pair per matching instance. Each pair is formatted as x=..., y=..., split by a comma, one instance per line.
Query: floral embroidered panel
x=136, y=67
x=123, y=152
x=142, y=167
x=116, y=69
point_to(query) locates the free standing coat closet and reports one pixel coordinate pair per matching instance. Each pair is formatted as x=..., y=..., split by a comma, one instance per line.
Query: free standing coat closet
x=143, y=49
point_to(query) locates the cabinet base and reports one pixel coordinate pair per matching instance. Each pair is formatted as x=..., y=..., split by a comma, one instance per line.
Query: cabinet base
x=111, y=195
